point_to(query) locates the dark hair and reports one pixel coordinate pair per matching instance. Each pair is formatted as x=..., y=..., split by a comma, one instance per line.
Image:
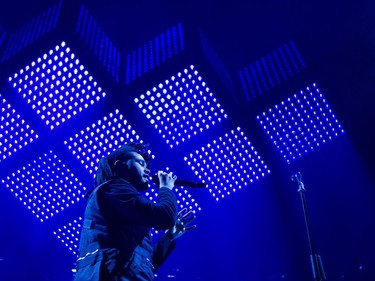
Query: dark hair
x=106, y=164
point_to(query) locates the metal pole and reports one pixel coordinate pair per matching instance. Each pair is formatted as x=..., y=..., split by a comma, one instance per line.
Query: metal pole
x=316, y=261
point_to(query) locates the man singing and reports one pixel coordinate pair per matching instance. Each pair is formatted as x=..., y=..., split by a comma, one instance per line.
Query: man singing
x=115, y=240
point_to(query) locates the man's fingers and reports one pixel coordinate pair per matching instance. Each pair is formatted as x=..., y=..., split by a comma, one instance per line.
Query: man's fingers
x=188, y=217
x=189, y=228
x=181, y=212
x=187, y=214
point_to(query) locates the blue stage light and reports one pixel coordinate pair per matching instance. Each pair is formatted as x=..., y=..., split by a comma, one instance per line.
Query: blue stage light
x=181, y=107
x=45, y=186
x=301, y=123
x=227, y=164
x=14, y=132
x=57, y=86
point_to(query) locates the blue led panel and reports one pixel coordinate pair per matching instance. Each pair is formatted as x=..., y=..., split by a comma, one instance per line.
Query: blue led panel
x=271, y=70
x=45, y=186
x=32, y=31
x=14, y=132
x=185, y=200
x=227, y=164
x=94, y=37
x=69, y=234
x=181, y=107
x=301, y=123
x=100, y=139
x=57, y=86
x=154, y=53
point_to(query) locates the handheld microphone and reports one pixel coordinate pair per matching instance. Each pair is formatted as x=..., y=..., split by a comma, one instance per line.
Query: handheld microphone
x=184, y=183
x=296, y=177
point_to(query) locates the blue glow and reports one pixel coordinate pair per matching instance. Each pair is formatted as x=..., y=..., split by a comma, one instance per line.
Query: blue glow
x=14, y=132
x=228, y=164
x=57, y=86
x=45, y=186
x=300, y=124
x=181, y=107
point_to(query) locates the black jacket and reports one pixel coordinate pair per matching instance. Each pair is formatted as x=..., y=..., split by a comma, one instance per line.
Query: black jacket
x=115, y=239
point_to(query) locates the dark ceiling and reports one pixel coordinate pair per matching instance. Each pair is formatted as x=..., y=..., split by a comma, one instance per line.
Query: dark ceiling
x=337, y=42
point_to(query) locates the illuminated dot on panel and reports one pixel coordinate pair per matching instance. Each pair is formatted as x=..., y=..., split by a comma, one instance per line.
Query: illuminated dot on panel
x=100, y=139
x=46, y=186
x=54, y=96
x=182, y=100
x=224, y=164
x=69, y=235
x=15, y=133
x=301, y=124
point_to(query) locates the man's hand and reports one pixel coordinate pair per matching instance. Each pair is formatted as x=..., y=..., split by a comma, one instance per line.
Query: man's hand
x=184, y=218
x=166, y=179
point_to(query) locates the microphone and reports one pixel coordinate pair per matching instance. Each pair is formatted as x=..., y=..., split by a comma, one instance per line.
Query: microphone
x=184, y=183
x=296, y=177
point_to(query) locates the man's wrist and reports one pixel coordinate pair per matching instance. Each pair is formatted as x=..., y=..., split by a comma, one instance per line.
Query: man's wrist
x=165, y=186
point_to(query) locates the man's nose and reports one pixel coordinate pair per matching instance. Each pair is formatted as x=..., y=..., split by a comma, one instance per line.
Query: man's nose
x=147, y=170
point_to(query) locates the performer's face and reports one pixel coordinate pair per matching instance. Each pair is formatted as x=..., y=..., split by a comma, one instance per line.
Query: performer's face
x=135, y=170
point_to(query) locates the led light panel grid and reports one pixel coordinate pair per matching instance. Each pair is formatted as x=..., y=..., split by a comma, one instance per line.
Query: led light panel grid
x=227, y=164
x=181, y=107
x=69, y=234
x=57, y=86
x=45, y=186
x=14, y=132
x=100, y=139
x=301, y=123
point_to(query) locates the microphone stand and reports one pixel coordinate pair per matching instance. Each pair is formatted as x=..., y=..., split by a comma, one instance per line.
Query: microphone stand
x=316, y=260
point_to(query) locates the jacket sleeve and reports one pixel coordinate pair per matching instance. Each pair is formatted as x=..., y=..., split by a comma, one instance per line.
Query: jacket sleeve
x=134, y=208
x=162, y=249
